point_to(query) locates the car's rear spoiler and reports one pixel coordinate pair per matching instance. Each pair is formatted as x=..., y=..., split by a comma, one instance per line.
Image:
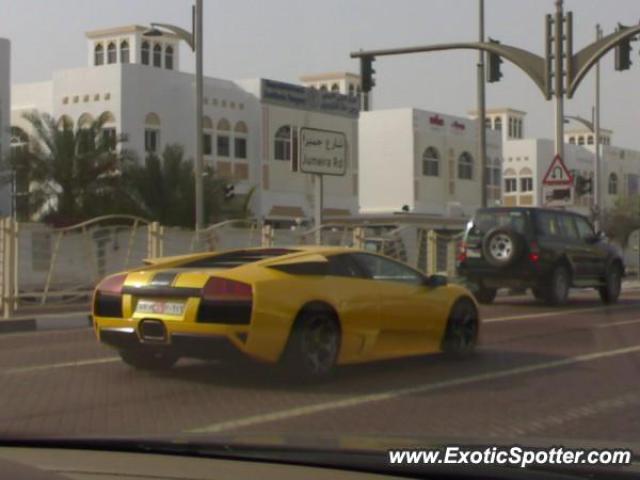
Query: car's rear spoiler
x=173, y=258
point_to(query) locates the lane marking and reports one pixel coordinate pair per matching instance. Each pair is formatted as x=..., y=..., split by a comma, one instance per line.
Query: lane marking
x=614, y=324
x=53, y=366
x=392, y=394
x=557, y=313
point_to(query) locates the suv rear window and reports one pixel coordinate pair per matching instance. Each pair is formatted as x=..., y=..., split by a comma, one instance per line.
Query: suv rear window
x=485, y=220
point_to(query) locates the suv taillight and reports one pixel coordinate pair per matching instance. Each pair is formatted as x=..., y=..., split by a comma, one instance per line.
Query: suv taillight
x=462, y=252
x=534, y=252
x=108, y=298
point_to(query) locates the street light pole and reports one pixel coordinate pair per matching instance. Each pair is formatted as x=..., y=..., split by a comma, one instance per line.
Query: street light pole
x=558, y=77
x=482, y=132
x=596, y=125
x=198, y=168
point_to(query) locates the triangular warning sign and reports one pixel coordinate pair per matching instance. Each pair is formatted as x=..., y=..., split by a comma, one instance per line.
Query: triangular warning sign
x=557, y=174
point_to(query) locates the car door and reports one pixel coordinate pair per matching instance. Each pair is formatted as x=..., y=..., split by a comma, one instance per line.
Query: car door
x=594, y=252
x=575, y=248
x=410, y=312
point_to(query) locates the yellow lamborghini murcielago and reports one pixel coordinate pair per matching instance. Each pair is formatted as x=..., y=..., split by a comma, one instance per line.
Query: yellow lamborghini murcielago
x=308, y=308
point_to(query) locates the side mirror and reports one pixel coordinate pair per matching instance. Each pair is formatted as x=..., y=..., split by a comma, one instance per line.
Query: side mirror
x=597, y=237
x=434, y=281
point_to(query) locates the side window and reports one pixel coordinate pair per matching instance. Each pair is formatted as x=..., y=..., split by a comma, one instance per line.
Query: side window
x=383, y=269
x=546, y=223
x=567, y=226
x=584, y=228
x=344, y=266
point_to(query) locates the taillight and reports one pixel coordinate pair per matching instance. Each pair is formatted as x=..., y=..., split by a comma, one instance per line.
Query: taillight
x=108, y=299
x=225, y=301
x=226, y=290
x=462, y=252
x=534, y=252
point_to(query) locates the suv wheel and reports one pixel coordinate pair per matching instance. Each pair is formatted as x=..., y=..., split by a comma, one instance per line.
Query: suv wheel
x=538, y=293
x=610, y=292
x=485, y=295
x=557, y=293
x=501, y=247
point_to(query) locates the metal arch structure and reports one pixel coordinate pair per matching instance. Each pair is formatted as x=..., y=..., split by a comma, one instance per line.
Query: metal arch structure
x=533, y=65
x=582, y=61
x=179, y=32
x=582, y=121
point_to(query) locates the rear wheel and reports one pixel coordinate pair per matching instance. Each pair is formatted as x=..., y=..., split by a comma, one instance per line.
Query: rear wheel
x=557, y=293
x=538, y=293
x=149, y=358
x=313, y=347
x=610, y=292
x=461, y=335
x=485, y=295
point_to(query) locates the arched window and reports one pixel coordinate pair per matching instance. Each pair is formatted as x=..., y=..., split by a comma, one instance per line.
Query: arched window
x=168, y=58
x=335, y=87
x=590, y=140
x=487, y=123
x=613, y=184
x=112, y=54
x=510, y=181
x=497, y=124
x=124, y=52
x=240, y=140
x=282, y=143
x=157, y=55
x=572, y=140
x=152, y=133
x=144, y=53
x=431, y=162
x=352, y=89
x=526, y=179
x=494, y=178
x=98, y=54
x=223, y=142
x=323, y=88
x=108, y=128
x=85, y=121
x=65, y=122
x=511, y=133
x=207, y=136
x=580, y=140
x=465, y=166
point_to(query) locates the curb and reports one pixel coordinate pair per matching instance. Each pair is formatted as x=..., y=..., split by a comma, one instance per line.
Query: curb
x=46, y=322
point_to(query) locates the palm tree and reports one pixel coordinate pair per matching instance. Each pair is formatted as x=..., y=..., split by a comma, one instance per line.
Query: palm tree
x=166, y=188
x=71, y=175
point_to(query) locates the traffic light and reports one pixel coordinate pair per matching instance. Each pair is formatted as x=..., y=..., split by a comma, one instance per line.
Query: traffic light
x=366, y=73
x=584, y=186
x=493, y=65
x=623, y=52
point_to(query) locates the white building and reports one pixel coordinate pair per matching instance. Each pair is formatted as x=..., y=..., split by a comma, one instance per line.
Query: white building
x=423, y=162
x=5, y=95
x=134, y=81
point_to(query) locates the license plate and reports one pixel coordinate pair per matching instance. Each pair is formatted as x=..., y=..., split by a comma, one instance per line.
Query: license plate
x=160, y=308
x=474, y=253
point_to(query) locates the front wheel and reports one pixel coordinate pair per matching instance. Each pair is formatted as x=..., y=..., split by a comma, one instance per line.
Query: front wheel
x=461, y=335
x=610, y=292
x=148, y=358
x=313, y=347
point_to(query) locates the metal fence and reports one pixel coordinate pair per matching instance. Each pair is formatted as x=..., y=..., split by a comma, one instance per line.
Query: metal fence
x=41, y=265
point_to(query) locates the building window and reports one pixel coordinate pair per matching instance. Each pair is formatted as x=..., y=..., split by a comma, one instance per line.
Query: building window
x=613, y=184
x=144, y=53
x=431, y=162
x=493, y=172
x=110, y=137
x=98, y=54
x=511, y=135
x=124, y=52
x=65, y=100
x=526, y=184
x=323, y=88
x=112, y=54
x=487, y=123
x=580, y=140
x=510, y=185
x=168, y=58
x=152, y=133
x=223, y=142
x=572, y=140
x=497, y=124
x=465, y=166
x=157, y=55
x=590, y=140
x=282, y=144
x=352, y=90
x=240, y=140
x=207, y=144
x=335, y=87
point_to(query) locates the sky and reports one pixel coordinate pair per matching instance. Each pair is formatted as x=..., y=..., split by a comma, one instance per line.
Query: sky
x=284, y=39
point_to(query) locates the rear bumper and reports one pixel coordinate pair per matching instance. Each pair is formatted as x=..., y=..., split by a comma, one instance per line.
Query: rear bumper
x=521, y=275
x=183, y=344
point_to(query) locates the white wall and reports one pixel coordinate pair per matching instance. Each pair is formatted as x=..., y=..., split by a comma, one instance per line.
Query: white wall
x=5, y=95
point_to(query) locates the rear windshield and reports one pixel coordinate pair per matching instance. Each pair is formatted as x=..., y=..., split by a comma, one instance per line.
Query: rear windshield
x=238, y=258
x=485, y=220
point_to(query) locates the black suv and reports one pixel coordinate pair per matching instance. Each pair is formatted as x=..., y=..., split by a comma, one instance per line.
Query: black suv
x=546, y=250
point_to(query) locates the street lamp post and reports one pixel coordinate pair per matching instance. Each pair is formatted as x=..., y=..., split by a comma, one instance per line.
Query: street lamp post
x=482, y=114
x=194, y=40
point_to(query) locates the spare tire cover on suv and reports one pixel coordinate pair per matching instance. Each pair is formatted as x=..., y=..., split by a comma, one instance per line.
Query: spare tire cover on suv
x=502, y=246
